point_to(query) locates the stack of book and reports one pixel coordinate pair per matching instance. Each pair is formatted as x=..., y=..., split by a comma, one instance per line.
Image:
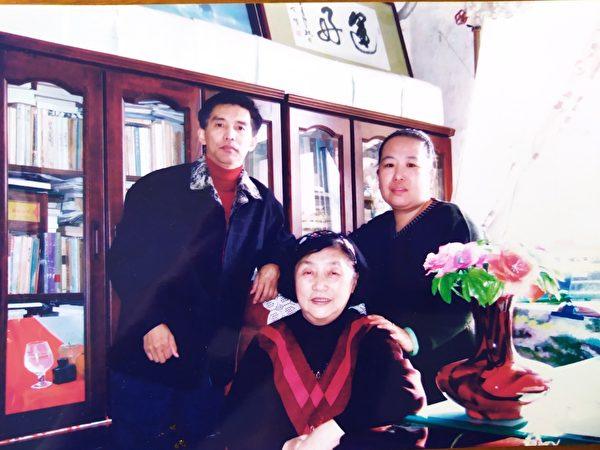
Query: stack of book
x=56, y=258
x=153, y=138
x=71, y=205
x=23, y=264
x=45, y=128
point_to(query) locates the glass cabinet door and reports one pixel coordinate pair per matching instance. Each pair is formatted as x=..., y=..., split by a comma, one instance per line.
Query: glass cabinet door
x=151, y=124
x=153, y=139
x=367, y=139
x=320, y=172
x=52, y=294
x=264, y=163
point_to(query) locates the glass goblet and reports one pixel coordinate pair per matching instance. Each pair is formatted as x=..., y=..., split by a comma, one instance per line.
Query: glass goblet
x=38, y=359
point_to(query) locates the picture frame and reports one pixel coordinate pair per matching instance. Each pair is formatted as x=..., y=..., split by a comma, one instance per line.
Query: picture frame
x=27, y=211
x=339, y=31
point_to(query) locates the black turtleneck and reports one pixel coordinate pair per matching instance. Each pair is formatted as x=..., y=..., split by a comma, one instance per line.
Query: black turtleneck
x=385, y=387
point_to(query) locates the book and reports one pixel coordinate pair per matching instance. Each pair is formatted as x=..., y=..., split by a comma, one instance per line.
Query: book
x=53, y=92
x=29, y=183
x=12, y=131
x=20, y=94
x=35, y=265
x=71, y=231
x=51, y=258
x=64, y=267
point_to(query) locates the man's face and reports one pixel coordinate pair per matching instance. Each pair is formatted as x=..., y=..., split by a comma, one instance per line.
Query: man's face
x=228, y=136
x=405, y=173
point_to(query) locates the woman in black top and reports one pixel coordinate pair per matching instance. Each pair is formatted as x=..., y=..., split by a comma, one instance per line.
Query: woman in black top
x=324, y=371
x=396, y=244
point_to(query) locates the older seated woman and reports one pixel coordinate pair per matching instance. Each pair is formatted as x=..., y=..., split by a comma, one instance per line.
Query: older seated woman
x=324, y=371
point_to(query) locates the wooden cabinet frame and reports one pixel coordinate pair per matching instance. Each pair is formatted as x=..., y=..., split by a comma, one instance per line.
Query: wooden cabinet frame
x=301, y=119
x=80, y=79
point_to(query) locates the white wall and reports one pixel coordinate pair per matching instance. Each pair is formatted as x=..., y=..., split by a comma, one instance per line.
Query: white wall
x=150, y=35
x=441, y=53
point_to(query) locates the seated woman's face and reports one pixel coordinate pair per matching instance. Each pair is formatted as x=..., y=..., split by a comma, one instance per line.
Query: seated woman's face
x=324, y=281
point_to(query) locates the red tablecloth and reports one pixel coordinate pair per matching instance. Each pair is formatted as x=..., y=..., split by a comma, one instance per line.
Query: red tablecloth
x=19, y=394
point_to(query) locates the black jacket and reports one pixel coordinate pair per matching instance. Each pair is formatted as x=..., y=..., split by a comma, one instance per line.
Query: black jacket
x=175, y=261
x=401, y=292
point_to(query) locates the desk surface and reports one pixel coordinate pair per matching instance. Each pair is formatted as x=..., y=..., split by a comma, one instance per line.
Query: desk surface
x=570, y=410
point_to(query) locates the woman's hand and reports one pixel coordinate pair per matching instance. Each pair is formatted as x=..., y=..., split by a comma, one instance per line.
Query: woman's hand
x=396, y=333
x=325, y=437
x=293, y=444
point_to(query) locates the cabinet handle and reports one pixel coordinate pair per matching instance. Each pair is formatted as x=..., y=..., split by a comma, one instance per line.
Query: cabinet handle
x=96, y=238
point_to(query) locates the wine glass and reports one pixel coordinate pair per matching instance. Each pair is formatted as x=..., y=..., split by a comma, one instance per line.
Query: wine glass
x=38, y=359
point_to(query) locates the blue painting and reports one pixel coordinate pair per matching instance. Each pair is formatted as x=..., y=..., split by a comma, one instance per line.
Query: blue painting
x=232, y=15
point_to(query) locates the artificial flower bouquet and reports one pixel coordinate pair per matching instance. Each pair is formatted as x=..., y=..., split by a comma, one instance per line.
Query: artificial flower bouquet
x=486, y=272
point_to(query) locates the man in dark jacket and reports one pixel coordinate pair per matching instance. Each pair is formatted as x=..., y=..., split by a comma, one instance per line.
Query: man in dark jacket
x=182, y=261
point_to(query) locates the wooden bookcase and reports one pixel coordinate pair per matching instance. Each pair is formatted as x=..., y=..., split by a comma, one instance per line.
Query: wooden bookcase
x=108, y=94
x=37, y=182
x=320, y=184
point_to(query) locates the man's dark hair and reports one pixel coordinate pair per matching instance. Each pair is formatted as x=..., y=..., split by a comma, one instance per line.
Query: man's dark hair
x=230, y=98
x=409, y=132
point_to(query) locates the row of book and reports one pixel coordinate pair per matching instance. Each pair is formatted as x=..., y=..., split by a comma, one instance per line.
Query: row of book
x=44, y=137
x=152, y=145
x=50, y=264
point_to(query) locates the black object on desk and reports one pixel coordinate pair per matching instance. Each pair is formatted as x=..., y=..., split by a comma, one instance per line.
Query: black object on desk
x=64, y=372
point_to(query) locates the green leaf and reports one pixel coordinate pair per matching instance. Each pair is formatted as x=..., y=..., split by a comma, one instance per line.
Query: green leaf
x=446, y=285
x=549, y=284
x=466, y=291
x=476, y=288
x=495, y=291
x=435, y=285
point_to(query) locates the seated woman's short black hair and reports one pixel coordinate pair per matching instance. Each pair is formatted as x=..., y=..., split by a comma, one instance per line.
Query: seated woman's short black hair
x=315, y=242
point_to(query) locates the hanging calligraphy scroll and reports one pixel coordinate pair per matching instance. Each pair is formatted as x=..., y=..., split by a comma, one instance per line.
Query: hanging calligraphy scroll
x=361, y=33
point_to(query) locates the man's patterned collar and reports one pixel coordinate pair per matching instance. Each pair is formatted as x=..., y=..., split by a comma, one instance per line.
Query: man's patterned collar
x=201, y=179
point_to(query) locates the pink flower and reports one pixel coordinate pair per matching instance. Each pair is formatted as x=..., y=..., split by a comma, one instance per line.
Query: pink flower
x=471, y=255
x=443, y=261
x=518, y=274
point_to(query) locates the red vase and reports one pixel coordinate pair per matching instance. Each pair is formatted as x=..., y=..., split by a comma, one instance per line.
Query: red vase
x=496, y=382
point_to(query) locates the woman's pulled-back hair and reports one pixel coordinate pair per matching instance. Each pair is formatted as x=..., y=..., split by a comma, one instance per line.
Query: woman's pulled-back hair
x=412, y=133
x=315, y=242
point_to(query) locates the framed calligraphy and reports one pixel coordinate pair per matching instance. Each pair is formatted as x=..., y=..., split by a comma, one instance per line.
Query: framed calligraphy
x=367, y=34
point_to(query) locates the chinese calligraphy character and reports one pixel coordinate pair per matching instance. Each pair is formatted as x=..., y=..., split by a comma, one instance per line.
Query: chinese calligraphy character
x=360, y=38
x=307, y=32
x=329, y=32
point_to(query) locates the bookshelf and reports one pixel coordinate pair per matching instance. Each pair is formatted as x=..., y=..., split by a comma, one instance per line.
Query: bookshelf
x=52, y=230
x=320, y=182
x=153, y=138
x=45, y=250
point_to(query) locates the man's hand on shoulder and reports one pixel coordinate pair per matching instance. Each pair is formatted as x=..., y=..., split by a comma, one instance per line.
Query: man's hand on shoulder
x=159, y=344
x=265, y=284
